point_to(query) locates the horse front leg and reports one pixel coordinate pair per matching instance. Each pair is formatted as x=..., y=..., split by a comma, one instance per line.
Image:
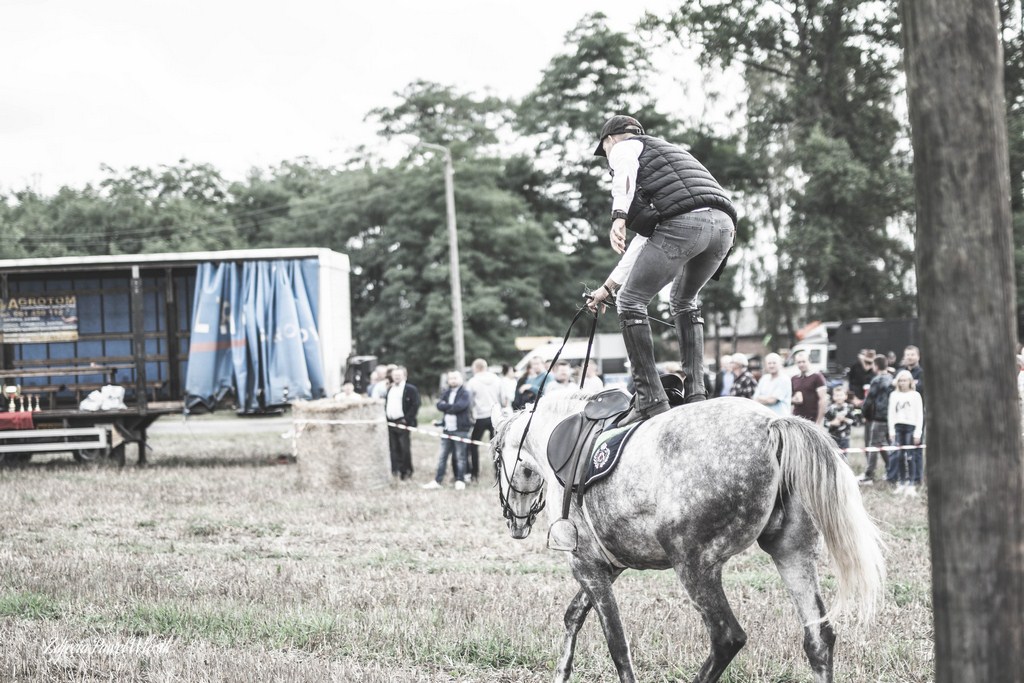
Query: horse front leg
x=597, y=583
x=575, y=615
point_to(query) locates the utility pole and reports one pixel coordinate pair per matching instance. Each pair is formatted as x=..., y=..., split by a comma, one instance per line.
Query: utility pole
x=453, y=255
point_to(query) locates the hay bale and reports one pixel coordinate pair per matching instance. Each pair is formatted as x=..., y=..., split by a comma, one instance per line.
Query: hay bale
x=342, y=444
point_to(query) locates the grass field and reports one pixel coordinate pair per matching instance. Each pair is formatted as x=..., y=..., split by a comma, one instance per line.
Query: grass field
x=216, y=563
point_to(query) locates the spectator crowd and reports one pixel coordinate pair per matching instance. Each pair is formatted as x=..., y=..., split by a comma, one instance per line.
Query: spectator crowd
x=465, y=407
x=878, y=396
x=885, y=399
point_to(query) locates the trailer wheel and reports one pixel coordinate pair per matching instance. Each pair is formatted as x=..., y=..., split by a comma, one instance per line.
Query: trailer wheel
x=89, y=454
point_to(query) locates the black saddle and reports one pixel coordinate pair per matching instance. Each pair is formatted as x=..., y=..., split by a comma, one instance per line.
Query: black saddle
x=572, y=439
x=673, y=385
x=575, y=434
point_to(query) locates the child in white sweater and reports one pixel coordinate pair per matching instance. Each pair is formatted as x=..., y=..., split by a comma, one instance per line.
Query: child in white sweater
x=906, y=421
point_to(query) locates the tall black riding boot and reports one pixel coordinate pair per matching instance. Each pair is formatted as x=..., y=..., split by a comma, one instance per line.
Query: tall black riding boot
x=650, y=397
x=690, y=330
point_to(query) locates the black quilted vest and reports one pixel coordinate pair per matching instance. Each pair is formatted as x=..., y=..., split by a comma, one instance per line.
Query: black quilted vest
x=669, y=183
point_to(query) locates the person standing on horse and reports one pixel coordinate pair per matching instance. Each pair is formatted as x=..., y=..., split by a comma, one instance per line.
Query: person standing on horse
x=685, y=225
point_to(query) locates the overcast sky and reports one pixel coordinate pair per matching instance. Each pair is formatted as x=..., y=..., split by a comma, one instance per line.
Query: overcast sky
x=242, y=84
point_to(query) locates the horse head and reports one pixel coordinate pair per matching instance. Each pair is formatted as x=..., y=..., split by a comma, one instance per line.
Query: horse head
x=519, y=480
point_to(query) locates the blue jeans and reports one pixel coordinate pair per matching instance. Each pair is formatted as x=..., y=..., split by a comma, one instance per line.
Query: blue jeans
x=915, y=465
x=903, y=465
x=878, y=436
x=686, y=251
x=458, y=451
x=843, y=442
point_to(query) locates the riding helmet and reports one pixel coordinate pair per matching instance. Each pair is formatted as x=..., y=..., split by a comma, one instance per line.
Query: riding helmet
x=619, y=123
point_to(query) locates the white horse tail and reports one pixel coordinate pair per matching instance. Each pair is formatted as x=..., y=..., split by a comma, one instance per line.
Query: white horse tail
x=813, y=470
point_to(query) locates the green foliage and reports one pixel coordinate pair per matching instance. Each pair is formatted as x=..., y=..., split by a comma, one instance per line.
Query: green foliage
x=601, y=73
x=440, y=115
x=392, y=223
x=604, y=72
x=817, y=171
x=837, y=239
x=264, y=209
x=173, y=208
x=821, y=131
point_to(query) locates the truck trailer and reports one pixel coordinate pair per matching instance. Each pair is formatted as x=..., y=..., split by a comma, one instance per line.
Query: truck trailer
x=167, y=332
x=832, y=347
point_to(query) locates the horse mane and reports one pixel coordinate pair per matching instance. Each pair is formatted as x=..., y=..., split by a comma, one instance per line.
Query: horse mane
x=502, y=430
x=556, y=406
x=564, y=402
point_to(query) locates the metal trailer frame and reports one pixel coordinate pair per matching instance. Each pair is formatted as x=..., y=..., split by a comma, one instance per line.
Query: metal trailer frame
x=154, y=359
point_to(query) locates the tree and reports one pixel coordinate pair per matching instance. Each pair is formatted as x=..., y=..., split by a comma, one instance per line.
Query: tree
x=261, y=207
x=602, y=73
x=170, y=208
x=390, y=219
x=25, y=218
x=822, y=130
x=1011, y=30
x=965, y=269
x=439, y=114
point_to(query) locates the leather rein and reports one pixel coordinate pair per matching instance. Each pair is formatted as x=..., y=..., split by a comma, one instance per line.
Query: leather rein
x=499, y=464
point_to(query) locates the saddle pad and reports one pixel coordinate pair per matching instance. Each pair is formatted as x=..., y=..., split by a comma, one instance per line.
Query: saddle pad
x=604, y=454
x=607, y=448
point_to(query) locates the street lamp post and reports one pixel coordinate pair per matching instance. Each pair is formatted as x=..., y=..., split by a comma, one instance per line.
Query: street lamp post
x=453, y=255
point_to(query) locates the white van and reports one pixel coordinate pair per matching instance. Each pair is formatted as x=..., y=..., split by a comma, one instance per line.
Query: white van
x=609, y=351
x=817, y=357
x=820, y=350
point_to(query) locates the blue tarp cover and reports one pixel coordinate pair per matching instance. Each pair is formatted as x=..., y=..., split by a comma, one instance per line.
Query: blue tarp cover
x=255, y=334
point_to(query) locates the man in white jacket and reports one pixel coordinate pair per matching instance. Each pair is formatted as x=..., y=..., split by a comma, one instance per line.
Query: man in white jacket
x=485, y=387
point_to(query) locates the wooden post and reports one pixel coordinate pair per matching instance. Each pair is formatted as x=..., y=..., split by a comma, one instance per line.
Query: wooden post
x=966, y=299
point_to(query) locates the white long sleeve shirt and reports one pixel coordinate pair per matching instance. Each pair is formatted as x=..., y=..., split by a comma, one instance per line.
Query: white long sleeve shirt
x=625, y=264
x=906, y=408
x=624, y=161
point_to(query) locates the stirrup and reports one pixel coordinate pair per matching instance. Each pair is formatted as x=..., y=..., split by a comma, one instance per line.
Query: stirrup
x=562, y=535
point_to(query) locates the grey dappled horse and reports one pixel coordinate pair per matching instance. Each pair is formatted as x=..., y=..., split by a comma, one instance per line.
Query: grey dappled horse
x=694, y=487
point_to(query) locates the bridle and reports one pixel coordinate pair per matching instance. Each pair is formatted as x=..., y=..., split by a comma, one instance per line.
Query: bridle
x=499, y=463
x=506, y=506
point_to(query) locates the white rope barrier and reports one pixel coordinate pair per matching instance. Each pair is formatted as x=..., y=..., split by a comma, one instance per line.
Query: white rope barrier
x=440, y=435
x=336, y=422
x=879, y=449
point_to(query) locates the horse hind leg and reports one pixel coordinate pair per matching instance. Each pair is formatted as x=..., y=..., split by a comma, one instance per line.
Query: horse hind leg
x=704, y=586
x=575, y=615
x=791, y=540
